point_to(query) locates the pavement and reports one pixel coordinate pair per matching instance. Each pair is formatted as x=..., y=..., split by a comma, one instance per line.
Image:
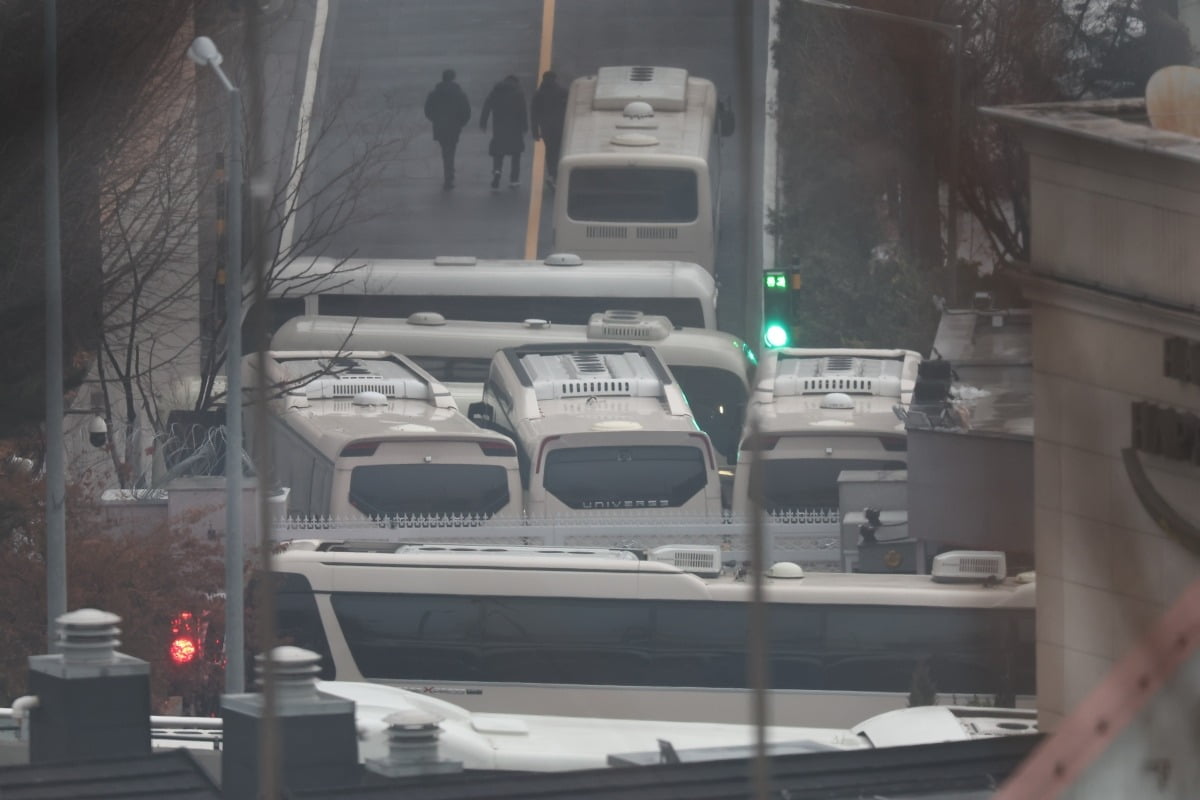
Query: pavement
x=380, y=57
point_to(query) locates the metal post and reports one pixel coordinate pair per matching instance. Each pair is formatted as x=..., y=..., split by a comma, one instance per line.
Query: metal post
x=235, y=641
x=952, y=181
x=756, y=628
x=56, y=520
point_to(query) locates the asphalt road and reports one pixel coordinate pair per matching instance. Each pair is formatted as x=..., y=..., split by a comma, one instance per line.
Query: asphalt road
x=381, y=57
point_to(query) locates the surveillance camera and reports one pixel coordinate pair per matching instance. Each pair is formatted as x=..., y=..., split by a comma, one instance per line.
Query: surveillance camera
x=98, y=432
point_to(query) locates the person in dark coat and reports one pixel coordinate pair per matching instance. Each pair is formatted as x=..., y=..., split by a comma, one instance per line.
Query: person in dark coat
x=505, y=106
x=547, y=113
x=448, y=109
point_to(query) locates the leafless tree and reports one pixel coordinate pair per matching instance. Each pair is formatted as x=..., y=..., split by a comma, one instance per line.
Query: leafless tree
x=151, y=187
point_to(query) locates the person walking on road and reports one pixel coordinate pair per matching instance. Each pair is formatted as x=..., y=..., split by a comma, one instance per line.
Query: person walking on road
x=448, y=109
x=547, y=113
x=505, y=106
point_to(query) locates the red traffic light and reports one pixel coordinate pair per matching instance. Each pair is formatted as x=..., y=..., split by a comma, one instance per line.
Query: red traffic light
x=183, y=649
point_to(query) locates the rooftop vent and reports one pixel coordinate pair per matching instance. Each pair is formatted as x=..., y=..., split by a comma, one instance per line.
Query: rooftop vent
x=370, y=399
x=412, y=746
x=455, y=261
x=703, y=560
x=563, y=260
x=88, y=636
x=838, y=401
x=627, y=139
x=785, y=570
x=837, y=373
x=426, y=318
x=969, y=566
x=628, y=326
x=638, y=109
x=663, y=88
x=295, y=670
x=561, y=375
x=347, y=377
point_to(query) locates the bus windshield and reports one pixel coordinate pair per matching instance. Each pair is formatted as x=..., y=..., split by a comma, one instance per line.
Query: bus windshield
x=717, y=398
x=632, y=194
x=387, y=490
x=648, y=476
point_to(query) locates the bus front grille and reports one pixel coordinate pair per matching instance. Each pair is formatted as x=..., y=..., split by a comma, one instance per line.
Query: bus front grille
x=657, y=233
x=607, y=232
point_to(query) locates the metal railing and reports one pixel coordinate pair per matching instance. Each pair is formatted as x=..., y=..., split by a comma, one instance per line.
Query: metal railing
x=811, y=538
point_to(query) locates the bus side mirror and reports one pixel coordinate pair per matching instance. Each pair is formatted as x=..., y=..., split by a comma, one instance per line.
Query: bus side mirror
x=725, y=118
x=481, y=414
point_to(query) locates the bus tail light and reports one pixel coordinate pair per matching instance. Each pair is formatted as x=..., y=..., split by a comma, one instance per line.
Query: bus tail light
x=499, y=449
x=359, y=449
x=761, y=443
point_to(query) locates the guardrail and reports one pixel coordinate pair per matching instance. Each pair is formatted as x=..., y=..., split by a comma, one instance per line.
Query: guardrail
x=810, y=538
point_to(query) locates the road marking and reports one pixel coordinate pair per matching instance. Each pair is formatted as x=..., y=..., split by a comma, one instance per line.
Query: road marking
x=303, y=120
x=539, y=149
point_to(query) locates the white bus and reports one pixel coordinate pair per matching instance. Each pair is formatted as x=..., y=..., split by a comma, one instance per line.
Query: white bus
x=600, y=427
x=636, y=179
x=820, y=412
x=582, y=632
x=714, y=369
x=370, y=434
x=562, y=289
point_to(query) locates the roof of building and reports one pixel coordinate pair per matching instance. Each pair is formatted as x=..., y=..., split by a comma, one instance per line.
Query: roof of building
x=970, y=769
x=1119, y=122
x=174, y=773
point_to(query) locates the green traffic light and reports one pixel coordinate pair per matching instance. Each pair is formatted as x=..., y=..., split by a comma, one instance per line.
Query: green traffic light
x=776, y=335
x=776, y=280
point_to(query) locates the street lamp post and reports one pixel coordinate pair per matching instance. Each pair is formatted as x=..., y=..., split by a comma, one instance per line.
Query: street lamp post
x=56, y=520
x=205, y=53
x=954, y=34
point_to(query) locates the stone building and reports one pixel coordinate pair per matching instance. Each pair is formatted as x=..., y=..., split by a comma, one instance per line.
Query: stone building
x=1114, y=282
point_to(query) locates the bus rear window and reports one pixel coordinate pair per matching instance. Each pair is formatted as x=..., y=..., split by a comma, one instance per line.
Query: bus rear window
x=800, y=483
x=682, y=311
x=632, y=194
x=389, y=490
x=625, y=477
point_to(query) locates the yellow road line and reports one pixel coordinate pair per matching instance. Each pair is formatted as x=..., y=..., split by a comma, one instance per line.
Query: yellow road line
x=539, y=150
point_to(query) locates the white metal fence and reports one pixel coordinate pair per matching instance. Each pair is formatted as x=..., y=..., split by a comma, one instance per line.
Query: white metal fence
x=811, y=540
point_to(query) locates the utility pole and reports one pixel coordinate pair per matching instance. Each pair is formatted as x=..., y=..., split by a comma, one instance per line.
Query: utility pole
x=56, y=513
